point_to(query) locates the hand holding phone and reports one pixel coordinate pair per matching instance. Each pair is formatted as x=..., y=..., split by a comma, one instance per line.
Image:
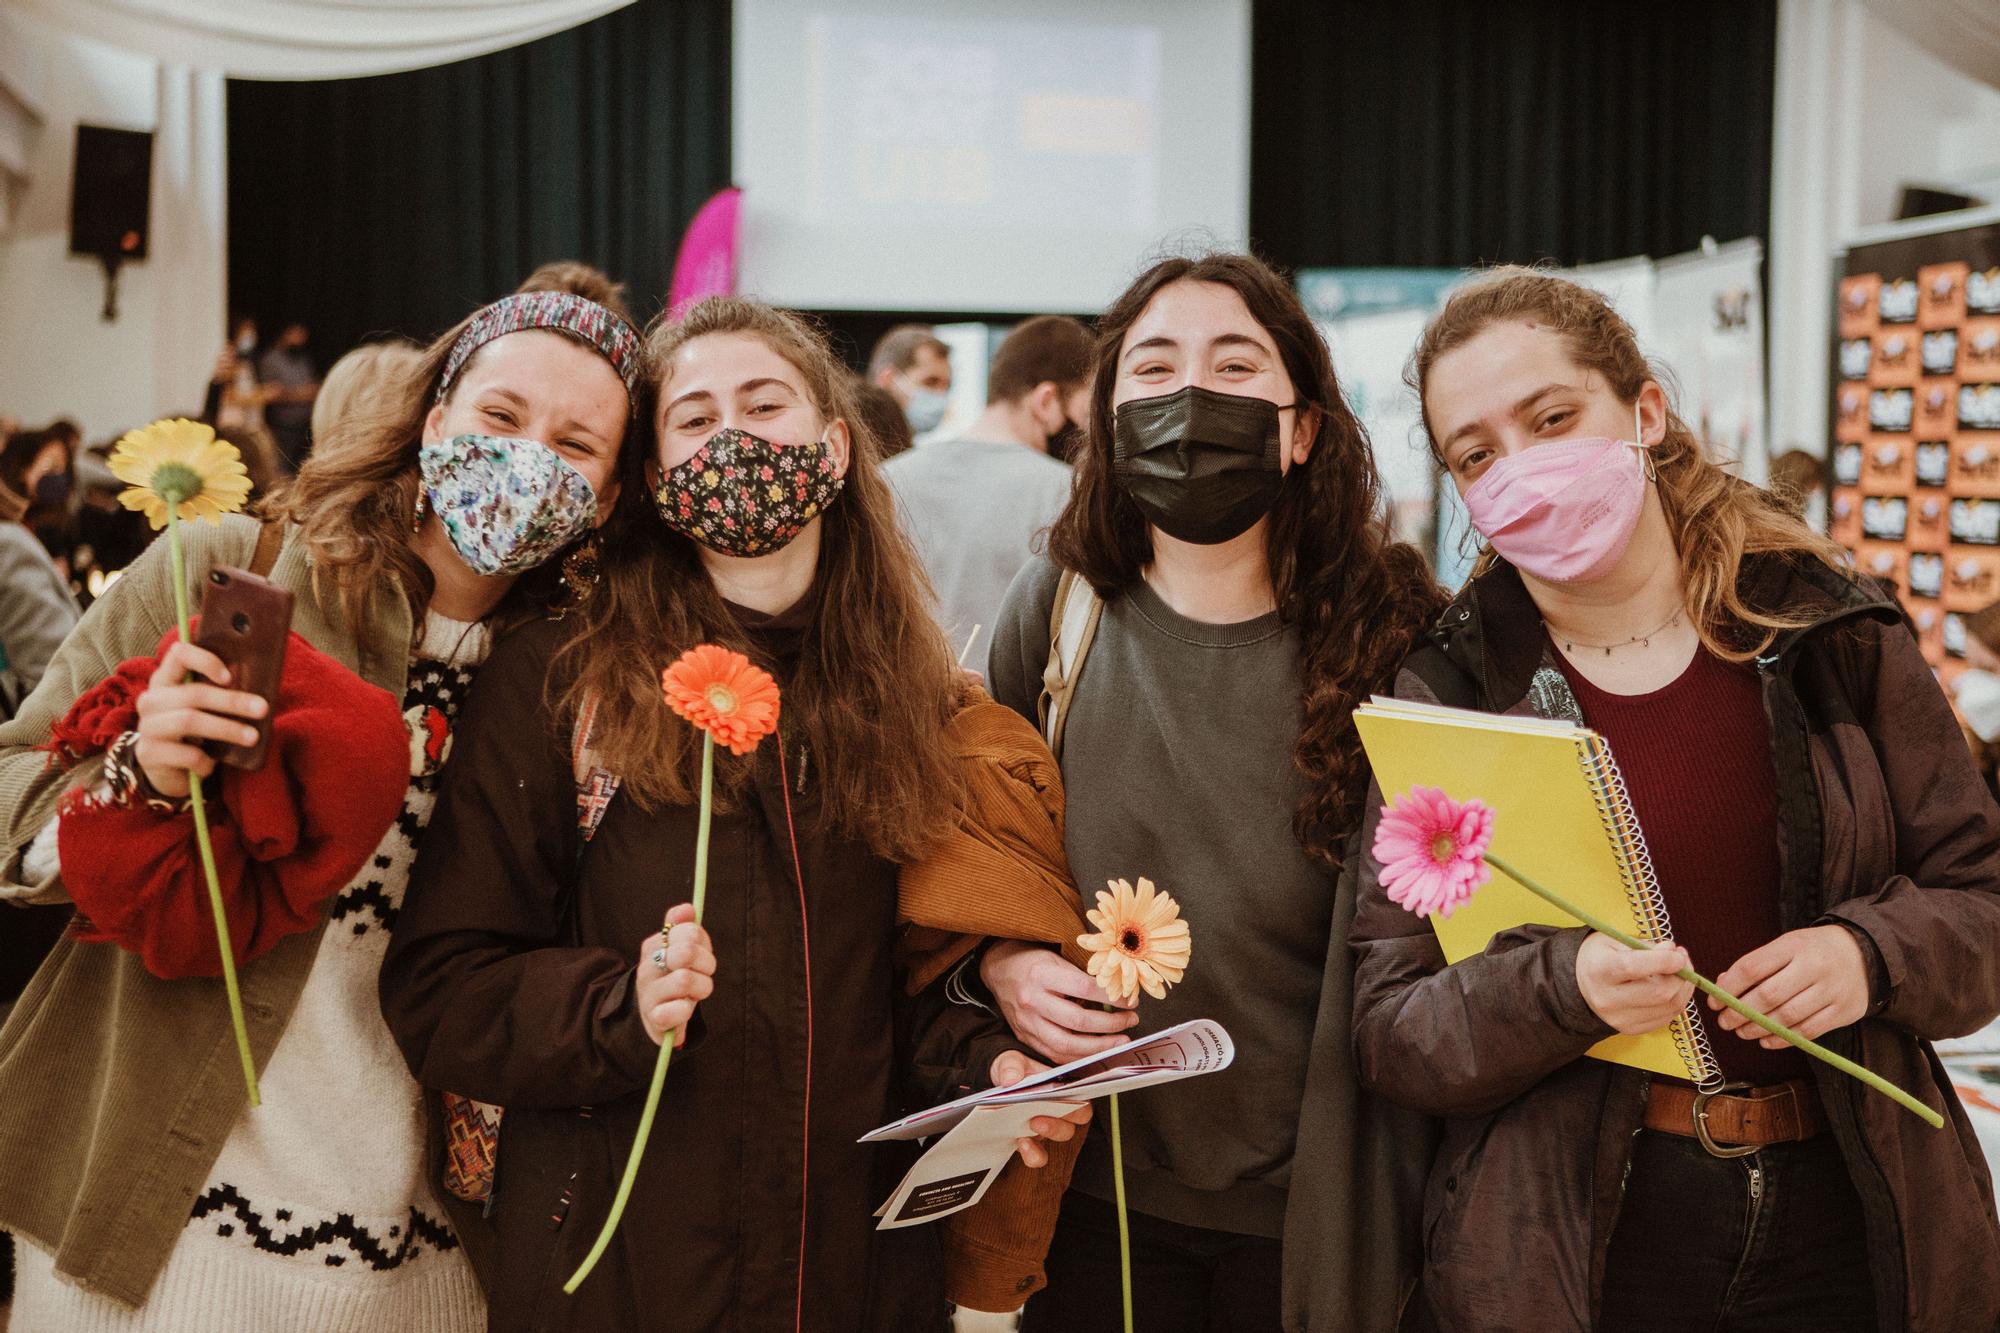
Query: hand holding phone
x=246, y=622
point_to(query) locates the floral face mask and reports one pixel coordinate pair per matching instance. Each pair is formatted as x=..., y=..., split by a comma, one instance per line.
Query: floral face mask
x=742, y=495
x=507, y=504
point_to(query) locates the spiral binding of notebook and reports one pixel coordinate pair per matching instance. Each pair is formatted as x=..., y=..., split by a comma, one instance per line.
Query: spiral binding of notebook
x=1642, y=890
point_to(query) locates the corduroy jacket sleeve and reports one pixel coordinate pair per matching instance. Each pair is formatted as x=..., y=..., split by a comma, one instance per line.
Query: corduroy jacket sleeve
x=127, y=621
x=479, y=988
x=1935, y=923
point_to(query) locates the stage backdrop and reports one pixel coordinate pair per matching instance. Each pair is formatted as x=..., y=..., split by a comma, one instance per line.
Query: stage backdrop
x=399, y=203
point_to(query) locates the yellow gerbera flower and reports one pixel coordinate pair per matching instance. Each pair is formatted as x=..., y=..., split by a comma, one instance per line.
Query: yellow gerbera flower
x=180, y=462
x=1140, y=941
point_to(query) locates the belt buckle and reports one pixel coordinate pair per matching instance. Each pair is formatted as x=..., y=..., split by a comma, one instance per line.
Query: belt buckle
x=1701, y=1100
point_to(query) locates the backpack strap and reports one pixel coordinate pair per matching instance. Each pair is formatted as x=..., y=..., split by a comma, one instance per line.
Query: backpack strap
x=595, y=784
x=270, y=537
x=1073, y=621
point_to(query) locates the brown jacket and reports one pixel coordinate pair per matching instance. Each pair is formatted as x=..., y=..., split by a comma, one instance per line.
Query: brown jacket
x=1002, y=873
x=1883, y=825
x=509, y=980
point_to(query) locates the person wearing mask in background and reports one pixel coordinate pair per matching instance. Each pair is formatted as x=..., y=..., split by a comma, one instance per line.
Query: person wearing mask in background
x=235, y=400
x=40, y=467
x=1820, y=842
x=150, y=1196
x=912, y=364
x=975, y=505
x=1228, y=514
x=883, y=416
x=290, y=385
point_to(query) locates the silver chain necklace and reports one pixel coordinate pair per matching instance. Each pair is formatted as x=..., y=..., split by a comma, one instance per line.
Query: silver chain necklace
x=1644, y=640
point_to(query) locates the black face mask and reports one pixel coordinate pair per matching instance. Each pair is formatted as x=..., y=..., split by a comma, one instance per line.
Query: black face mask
x=1202, y=466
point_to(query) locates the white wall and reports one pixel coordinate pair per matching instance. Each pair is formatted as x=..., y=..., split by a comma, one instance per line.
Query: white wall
x=57, y=357
x=1861, y=111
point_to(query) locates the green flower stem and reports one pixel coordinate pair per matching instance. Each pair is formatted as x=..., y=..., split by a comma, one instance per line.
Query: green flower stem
x=201, y=829
x=666, y=1047
x=1124, y=1227
x=1771, y=1025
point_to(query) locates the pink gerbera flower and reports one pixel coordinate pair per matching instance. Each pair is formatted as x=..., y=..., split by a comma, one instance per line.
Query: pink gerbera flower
x=1432, y=850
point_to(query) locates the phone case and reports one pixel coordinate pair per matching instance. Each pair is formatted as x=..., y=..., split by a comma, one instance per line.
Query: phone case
x=246, y=621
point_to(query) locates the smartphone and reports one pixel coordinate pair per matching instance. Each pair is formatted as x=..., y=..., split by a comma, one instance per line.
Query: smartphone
x=246, y=621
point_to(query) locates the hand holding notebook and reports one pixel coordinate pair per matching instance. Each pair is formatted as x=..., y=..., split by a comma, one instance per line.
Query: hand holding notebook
x=1436, y=850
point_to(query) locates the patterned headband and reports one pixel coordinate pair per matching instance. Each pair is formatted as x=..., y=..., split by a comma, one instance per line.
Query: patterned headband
x=585, y=320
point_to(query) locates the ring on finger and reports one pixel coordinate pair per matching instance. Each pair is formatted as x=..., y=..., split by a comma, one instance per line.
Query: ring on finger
x=659, y=958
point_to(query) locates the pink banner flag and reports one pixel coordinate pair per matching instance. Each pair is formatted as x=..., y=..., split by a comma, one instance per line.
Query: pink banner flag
x=706, y=265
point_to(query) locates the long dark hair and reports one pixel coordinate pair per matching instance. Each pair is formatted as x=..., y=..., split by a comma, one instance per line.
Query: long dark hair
x=1359, y=599
x=876, y=685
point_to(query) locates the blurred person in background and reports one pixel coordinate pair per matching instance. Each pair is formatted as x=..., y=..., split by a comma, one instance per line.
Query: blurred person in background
x=361, y=377
x=1977, y=692
x=884, y=417
x=235, y=397
x=914, y=365
x=290, y=385
x=975, y=505
x=36, y=608
x=1801, y=479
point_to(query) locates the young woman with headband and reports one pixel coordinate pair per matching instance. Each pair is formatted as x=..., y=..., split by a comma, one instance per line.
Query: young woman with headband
x=144, y=1190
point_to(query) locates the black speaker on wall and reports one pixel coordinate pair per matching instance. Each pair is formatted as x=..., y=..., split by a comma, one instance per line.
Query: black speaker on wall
x=110, y=200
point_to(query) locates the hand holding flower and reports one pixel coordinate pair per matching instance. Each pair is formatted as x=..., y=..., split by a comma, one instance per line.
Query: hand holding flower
x=1812, y=980
x=1009, y=1068
x=1434, y=854
x=1634, y=990
x=178, y=710
x=674, y=977
x=1050, y=1002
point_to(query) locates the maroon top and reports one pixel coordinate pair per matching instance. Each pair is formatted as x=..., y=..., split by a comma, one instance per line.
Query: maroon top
x=1696, y=756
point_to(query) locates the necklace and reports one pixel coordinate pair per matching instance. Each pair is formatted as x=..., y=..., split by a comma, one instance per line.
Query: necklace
x=1643, y=640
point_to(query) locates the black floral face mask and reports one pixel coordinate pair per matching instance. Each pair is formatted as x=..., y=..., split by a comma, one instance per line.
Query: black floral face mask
x=742, y=495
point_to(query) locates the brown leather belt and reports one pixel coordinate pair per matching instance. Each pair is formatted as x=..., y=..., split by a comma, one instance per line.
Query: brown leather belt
x=1737, y=1120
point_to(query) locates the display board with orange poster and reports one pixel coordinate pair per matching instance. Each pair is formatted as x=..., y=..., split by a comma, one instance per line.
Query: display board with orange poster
x=1915, y=454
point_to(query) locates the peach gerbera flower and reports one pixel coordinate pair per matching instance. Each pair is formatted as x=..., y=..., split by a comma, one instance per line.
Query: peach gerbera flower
x=1141, y=942
x=1433, y=850
x=724, y=695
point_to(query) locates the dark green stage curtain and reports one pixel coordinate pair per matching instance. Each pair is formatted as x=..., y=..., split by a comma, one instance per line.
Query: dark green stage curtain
x=400, y=203
x=1455, y=132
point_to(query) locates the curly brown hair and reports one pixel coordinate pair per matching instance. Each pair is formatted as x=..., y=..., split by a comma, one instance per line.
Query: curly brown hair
x=1359, y=599
x=1716, y=518
x=876, y=684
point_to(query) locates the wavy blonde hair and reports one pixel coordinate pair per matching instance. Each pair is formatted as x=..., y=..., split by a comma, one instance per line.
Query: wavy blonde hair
x=1716, y=518
x=876, y=684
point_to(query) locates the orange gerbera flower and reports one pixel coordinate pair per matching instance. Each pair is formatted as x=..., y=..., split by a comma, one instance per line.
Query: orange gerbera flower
x=723, y=694
x=1140, y=941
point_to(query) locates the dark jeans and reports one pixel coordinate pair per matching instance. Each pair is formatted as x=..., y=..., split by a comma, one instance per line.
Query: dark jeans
x=1772, y=1241
x=1184, y=1279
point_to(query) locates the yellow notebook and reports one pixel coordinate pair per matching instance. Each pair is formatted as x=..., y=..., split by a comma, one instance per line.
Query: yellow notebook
x=1560, y=813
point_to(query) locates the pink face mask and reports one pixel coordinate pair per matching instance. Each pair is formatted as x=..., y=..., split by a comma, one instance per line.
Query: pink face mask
x=1565, y=511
